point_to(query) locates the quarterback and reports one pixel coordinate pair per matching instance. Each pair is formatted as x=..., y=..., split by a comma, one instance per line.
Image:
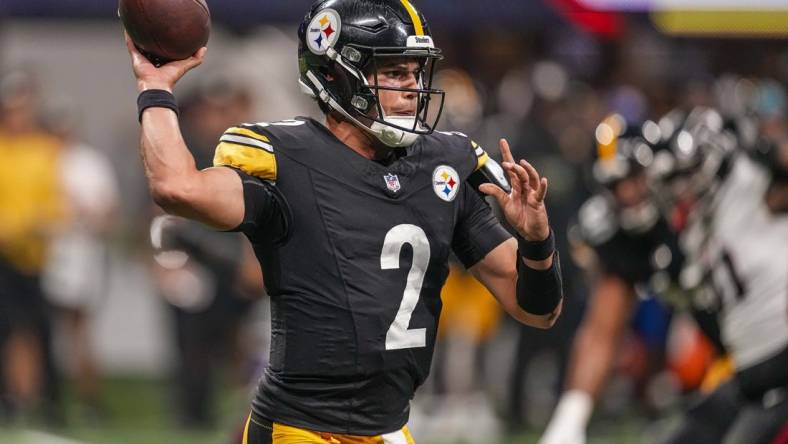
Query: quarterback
x=353, y=220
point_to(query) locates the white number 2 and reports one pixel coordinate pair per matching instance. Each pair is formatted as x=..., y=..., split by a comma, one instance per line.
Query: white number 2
x=398, y=336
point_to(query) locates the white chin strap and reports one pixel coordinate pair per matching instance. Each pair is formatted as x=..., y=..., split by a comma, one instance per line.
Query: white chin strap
x=390, y=136
x=395, y=137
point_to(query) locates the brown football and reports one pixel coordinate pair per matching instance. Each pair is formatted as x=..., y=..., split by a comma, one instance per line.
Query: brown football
x=166, y=30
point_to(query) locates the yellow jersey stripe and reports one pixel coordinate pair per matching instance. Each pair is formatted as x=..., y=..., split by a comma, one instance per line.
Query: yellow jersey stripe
x=414, y=16
x=408, y=436
x=245, y=439
x=252, y=161
x=237, y=130
x=481, y=160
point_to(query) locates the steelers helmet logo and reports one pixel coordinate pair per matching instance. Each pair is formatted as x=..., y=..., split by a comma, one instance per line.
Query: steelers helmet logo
x=446, y=182
x=323, y=31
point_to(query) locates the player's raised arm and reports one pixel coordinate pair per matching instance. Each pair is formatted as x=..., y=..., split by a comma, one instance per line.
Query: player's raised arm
x=523, y=275
x=213, y=196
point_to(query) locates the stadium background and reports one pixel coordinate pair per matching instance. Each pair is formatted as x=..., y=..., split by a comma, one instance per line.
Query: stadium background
x=542, y=73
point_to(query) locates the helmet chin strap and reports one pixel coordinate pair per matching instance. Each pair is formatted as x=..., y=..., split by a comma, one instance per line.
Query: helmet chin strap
x=395, y=137
x=389, y=136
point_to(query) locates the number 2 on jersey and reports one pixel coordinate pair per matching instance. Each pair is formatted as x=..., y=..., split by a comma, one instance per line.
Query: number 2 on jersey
x=398, y=335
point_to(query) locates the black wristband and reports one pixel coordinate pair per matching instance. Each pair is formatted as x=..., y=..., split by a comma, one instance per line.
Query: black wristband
x=536, y=250
x=539, y=291
x=155, y=98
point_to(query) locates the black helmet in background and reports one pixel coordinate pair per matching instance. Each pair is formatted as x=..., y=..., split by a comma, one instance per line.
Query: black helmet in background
x=624, y=151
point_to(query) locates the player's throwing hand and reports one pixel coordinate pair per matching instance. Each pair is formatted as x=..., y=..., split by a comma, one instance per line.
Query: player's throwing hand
x=524, y=206
x=150, y=77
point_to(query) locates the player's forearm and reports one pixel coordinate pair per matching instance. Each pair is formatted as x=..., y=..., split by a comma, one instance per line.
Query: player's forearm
x=498, y=272
x=169, y=166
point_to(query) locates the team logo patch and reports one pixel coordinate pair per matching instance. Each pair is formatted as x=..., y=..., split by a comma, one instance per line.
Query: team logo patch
x=392, y=182
x=323, y=31
x=445, y=182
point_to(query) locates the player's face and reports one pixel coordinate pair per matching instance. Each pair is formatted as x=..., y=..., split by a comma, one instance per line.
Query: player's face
x=397, y=73
x=631, y=191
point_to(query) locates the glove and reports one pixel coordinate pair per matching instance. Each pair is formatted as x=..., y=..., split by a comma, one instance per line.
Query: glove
x=569, y=421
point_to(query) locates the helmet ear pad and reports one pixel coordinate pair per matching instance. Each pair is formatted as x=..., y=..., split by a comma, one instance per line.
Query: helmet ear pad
x=345, y=87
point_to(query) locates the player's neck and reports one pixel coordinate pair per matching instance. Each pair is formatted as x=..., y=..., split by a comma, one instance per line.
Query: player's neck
x=353, y=137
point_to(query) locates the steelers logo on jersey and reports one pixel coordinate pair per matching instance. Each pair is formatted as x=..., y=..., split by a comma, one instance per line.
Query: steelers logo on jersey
x=323, y=31
x=445, y=182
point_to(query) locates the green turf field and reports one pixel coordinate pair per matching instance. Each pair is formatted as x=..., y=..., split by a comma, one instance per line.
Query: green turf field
x=138, y=413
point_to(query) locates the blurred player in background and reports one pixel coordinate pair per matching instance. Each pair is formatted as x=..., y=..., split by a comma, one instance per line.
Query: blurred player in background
x=330, y=206
x=736, y=267
x=621, y=237
x=200, y=271
x=75, y=278
x=31, y=206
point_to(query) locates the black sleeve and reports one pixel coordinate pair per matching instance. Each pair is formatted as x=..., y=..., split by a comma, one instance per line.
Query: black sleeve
x=265, y=211
x=477, y=231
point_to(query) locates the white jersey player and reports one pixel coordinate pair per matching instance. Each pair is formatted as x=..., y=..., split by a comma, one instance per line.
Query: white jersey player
x=737, y=253
x=737, y=264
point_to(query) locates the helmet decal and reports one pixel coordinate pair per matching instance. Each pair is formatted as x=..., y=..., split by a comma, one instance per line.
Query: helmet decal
x=323, y=31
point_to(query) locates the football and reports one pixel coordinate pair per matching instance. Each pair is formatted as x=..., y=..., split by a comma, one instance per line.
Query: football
x=166, y=30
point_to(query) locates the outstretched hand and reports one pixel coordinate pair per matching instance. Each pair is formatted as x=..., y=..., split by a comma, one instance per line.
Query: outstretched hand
x=524, y=207
x=164, y=77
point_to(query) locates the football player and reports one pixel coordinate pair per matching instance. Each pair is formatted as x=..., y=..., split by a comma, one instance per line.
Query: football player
x=622, y=237
x=737, y=266
x=353, y=220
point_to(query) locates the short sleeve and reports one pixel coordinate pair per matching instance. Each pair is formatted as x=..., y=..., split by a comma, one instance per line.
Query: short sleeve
x=249, y=149
x=265, y=211
x=477, y=231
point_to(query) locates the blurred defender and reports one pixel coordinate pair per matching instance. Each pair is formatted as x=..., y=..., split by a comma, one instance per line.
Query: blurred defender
x=353, y=221
x=621, y=235
x=737, y=267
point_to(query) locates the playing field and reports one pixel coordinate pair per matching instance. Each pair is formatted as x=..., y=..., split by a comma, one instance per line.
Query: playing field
x=137, y=412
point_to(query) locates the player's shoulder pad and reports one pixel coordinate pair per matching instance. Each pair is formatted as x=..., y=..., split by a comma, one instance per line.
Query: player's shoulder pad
x=251, y=147
x=463, y=145
x=597, y=220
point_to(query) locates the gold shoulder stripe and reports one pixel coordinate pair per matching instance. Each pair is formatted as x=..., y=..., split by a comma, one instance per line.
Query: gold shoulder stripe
x=253, y=161
x=414, y=16
x=237, y=130
x=481, y=160
x=481, y=155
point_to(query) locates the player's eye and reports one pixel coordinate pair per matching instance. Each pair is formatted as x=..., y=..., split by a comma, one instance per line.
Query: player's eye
x=395, y=74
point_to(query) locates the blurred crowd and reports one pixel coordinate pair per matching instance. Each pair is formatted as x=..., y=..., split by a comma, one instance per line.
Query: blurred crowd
x=564, y=100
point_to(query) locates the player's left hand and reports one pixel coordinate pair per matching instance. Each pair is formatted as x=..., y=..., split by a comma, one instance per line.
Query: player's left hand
x=524, y=207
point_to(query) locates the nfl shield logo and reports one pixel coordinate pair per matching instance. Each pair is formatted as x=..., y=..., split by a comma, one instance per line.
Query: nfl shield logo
x=392, y=182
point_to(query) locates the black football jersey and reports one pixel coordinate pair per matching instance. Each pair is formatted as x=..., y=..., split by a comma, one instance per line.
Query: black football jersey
x=632, y=255
x=354, y=254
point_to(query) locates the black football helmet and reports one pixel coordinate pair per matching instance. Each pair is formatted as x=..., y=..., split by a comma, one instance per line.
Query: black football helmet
x=699, y=156
x=343, y=41
x=623, y=149
x=624, y=152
